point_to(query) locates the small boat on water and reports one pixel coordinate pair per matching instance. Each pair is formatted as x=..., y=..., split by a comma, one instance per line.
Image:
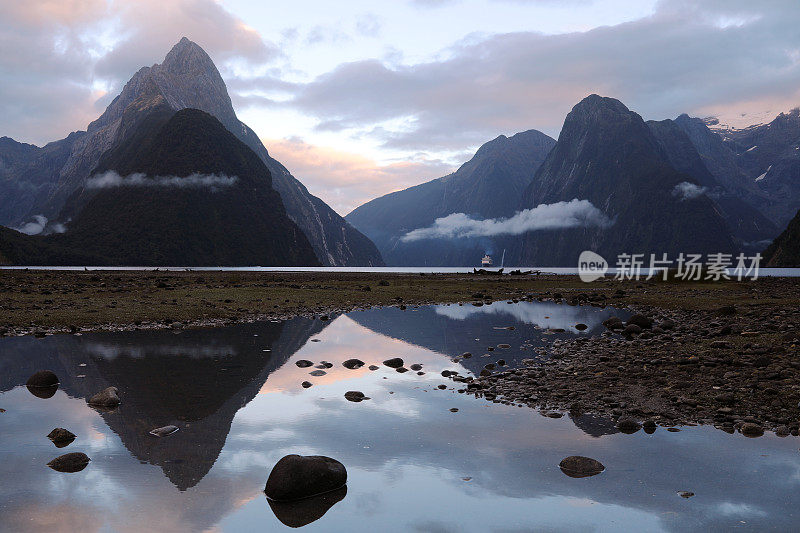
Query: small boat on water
x=486, y=261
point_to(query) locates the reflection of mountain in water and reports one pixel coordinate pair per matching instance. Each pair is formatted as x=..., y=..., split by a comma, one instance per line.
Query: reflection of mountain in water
x=194, y=379
x=452, y=330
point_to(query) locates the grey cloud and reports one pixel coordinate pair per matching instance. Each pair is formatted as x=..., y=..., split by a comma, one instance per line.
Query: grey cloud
x=575, y=213
x=60, y=55
x=683, y=58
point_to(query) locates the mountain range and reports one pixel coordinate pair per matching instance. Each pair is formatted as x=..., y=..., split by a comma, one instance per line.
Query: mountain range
x=662, y=187
x=38, y=183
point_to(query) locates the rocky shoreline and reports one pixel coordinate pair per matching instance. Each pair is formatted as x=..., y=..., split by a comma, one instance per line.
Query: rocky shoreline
x=735, y=368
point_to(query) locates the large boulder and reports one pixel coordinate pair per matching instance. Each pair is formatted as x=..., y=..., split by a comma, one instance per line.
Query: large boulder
x=70, y=462
x=578, y=466
x=106, y=398
x=297, y=476
x=43, y=378
x=641, y=321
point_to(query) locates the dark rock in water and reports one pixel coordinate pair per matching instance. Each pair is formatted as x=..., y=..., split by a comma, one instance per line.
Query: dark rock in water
x=632, y=329
x=299, y=513
x=317, y=373
x=505, y=346
x=304, y=363
x=43, y=392
x=577, y=466
x=395, y=362
x=70, y=462
x=454, y=409
x=353, y=364
x=355, y=396
x=61, y=437
x=416, y=367
x=106, y=398
x=649, y=424
x=43, y=379
x=373, y=367
x=581, y=327
x=296, y=476
x=751, y=430
x=685, y=494
x=628, y=425
x=641, y=321
x=402, y=370
x=306, y=384
x=164, y=431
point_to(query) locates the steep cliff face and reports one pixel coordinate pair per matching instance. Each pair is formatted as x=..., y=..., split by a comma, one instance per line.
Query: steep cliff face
x=748, y=225
x=760, y=164
x=487, y=186
x=187, y=78
x=606, y=154
x=785, y=250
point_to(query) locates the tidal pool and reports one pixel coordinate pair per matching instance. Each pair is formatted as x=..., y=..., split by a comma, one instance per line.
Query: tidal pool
x=413, y=464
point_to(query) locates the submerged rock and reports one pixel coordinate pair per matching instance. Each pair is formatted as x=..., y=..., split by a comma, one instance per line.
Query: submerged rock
x=106, y=398
x=317, y=373
x=296, y=476
x=355, y=396
x=61, y=437
x=164, y=431
x=394, y=362
x=577, y=466
x=70, y=462
x=299, y=513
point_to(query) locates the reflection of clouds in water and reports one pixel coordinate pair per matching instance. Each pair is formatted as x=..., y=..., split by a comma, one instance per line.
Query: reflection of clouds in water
x=560, y=315
x=110, y=351
x=739, y=510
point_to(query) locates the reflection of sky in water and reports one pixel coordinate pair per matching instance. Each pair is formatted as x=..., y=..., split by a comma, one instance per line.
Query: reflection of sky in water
x=406, y=453
x=543, y=314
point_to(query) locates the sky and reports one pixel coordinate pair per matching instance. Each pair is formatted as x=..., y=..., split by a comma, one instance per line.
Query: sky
x=360, y=98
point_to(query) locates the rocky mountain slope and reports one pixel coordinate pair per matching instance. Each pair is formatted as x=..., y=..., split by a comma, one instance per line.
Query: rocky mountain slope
x=785, y=250
x=38, y=181
x=606, y=154
x=487, y=186
x=182, y=190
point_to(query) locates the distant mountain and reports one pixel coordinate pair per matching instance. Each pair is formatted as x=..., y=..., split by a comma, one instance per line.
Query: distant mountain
x=487, y=186
x=606, y=154
x=182, y=190
x=785, y=250
x=39, y=181
x=760, y=164
x=748, y=225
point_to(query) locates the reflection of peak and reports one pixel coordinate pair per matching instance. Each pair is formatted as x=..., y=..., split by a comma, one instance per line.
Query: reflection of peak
x=196, y=379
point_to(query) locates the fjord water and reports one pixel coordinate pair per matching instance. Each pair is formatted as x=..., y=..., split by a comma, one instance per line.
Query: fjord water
x=413, y=464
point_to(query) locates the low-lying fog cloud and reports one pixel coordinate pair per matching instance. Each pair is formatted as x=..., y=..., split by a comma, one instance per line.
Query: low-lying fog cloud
x=560, y=215
x=39, y=225
x=688, y=191
x=111, y=179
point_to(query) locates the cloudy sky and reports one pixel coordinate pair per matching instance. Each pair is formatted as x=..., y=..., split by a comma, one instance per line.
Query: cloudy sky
x=358, y=98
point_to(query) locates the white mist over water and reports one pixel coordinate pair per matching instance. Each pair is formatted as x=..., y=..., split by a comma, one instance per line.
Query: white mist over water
x=559, y=215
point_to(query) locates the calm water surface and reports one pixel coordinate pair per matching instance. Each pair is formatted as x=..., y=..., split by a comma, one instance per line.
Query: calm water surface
x=413, y=465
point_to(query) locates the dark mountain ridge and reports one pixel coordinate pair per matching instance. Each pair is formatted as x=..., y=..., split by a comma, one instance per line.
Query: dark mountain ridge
x=489, y=185
x=232, y=218
x=41, y=181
